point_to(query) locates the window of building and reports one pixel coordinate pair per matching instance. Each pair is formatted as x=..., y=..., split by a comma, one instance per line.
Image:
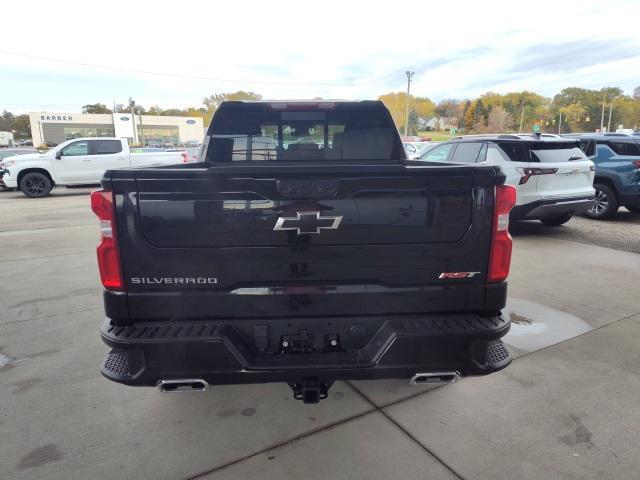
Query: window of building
x=78, y=132
x=158, y=134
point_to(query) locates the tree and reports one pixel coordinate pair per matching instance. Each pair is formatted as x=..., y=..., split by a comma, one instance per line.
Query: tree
x=481, y=112
x=413, y=122
x=22, y=126
x=212, y=102
x=95, y=108
x=451, y=109
x=423, y=107
x=469, y=115
x=6, y=121
x=499, y=120
x=396, y=103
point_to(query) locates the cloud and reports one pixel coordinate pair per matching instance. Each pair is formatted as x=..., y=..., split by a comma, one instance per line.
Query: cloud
x=555, y=57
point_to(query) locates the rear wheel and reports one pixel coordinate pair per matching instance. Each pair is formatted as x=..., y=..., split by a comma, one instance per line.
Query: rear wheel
x=556, y=221
x=35, y=185
x=606, y=204
x=633, y=208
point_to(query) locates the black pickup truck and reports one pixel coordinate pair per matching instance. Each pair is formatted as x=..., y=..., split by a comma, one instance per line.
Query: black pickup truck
x=303, y=248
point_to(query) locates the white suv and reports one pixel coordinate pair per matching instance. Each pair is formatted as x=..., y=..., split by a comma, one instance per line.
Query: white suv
x=552, y=176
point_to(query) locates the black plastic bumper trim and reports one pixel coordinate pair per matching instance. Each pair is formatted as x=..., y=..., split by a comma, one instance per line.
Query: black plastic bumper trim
x=551, y=208
x=217, y=353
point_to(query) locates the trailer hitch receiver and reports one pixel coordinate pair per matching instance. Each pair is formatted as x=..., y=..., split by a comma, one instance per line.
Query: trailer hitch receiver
x=310, y=390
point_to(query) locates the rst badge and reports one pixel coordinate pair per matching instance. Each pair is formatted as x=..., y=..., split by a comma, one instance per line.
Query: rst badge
x=305, y=223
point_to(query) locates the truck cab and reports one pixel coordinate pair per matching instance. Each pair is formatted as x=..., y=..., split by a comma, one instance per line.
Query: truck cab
x=80, y=161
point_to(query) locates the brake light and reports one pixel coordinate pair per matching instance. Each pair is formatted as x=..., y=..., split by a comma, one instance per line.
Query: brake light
x=303, y=106
x=501, y=243
x=108, y=253
x=527, y=173
x=185, y=157
x=636, y=163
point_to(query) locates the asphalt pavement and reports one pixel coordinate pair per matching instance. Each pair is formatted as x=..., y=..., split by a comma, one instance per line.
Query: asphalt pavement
x=566, y=408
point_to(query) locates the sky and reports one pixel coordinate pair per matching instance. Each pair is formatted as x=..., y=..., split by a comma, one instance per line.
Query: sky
x=58, y=56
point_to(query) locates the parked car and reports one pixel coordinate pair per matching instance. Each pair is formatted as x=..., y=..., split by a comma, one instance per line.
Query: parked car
x=415, y=149
x=81, y=161
x=553, y=177
x=617, y=177
x=303, y=265
x=11, y=152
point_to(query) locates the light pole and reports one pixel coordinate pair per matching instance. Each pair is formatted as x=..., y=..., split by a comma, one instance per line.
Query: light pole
x=132, y=104
x=610, y=112
x=406, y=113
x=604, y=99
x=560, y=123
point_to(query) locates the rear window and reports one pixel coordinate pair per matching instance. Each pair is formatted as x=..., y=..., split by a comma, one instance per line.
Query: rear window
x=514, y=151
x=242, y=132
x=624, y=148
x=555, y=153
x=105, y=147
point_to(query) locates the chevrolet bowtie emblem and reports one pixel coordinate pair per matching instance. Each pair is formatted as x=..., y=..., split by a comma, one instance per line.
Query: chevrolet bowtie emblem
x=308, y=223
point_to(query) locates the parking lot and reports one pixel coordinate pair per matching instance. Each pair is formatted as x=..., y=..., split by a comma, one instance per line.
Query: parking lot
x=566, y=408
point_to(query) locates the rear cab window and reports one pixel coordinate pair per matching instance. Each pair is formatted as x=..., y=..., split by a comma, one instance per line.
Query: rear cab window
x=303, y=132
x=106, y=147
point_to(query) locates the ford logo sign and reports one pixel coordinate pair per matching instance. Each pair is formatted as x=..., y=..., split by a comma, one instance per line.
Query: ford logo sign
x=191, y=122
x=125, y=119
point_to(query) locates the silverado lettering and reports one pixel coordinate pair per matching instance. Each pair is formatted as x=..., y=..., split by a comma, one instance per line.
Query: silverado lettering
x=336, y=258
x=174, y=280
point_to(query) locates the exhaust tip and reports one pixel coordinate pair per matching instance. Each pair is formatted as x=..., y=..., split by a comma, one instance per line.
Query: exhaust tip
x=433, y=377
x=183, y=385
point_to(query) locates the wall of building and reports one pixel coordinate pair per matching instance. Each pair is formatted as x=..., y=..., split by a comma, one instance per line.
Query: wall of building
x=58, y=127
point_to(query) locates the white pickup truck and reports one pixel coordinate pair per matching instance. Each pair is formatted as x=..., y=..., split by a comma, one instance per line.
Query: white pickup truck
x=81, y=161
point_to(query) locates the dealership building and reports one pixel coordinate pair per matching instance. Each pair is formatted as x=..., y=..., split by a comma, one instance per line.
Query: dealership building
x=54, y=128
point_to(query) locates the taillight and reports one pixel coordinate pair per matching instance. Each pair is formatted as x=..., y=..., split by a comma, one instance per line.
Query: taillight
x=108, y=254
x=185, y=157
x=501, y=243
x=527, y=173
x=636, y=163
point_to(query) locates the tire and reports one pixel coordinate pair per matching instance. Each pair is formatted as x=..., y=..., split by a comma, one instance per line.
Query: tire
x=35, y=185
x=606, y=205
x=556, y=221
x=633, y=208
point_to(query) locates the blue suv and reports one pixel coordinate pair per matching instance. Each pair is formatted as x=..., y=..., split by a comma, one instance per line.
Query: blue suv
x=617, y=179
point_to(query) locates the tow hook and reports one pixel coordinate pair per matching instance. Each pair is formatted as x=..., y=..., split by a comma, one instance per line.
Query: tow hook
x=310, y=390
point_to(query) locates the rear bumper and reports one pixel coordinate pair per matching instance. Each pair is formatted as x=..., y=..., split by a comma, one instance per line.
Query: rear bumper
x=222, y=353
x=552, y=208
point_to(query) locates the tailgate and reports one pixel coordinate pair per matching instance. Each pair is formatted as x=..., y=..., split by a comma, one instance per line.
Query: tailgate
x=256, y=242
